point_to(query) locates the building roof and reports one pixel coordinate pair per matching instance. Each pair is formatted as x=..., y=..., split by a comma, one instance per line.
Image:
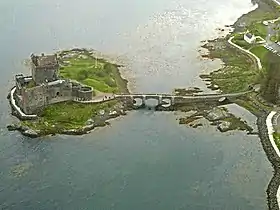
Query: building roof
x=249, y=35
x=46, y=60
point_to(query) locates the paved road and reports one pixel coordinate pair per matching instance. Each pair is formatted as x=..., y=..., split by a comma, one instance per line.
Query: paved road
x=247, y=51
x=271, y=32
x=99, y=98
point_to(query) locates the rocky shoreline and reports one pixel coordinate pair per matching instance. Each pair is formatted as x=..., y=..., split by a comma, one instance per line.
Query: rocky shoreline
x=100, y=120
x=274, y=160
x=83, y=117
x=219, y=48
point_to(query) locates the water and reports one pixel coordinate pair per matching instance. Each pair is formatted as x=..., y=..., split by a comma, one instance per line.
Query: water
x=145, y=160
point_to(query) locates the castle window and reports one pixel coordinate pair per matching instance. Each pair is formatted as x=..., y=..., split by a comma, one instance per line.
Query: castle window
x=57, y=93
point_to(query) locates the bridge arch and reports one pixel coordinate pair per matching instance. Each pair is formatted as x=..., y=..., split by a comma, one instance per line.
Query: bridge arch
x=151, y=102
x=138, y=102
x=166, y=102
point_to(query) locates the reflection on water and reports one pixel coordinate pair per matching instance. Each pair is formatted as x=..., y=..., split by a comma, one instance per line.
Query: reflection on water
x=145, y=160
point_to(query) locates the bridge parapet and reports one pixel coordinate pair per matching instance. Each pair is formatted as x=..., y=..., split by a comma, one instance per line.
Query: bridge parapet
x=193, y=98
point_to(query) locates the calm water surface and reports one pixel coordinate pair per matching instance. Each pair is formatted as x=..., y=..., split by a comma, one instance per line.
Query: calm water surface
x=145, y=160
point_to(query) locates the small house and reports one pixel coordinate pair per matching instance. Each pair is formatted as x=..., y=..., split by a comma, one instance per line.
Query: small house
x=250, y=38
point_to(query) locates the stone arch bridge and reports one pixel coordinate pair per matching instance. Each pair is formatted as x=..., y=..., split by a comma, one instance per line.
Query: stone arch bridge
x=167, y=100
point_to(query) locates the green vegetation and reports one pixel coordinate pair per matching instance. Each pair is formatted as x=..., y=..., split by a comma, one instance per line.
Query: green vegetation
x=258, y=29
x=258, y=39
x=80, y=65
x=97, y=73
x=239, y=40
x=31, y=84
x=237, y=123
x=271, y=78
x=261, y=52
x=67, y=115
x=277, y=139
x=239, y=71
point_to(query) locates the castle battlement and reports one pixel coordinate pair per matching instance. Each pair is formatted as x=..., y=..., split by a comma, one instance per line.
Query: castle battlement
x=45, y=87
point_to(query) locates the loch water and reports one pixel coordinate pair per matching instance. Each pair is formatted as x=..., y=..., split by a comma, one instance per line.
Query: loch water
x=145, y=160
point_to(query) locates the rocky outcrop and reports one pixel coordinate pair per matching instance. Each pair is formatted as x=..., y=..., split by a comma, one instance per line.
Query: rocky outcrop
x=224, y=126
x=217, y=114
x=273, y=158
x=24, y=130
x=30, y=133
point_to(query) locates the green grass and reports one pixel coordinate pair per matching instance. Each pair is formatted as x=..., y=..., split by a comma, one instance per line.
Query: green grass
x=97, y=73
x=239, y=40
x=239, y=71
x=258, y=29
x=277, y=139
x=31, y=84
x=66, y=115
x=80, y=65
x=261, y=52
x=242, y=43
x=238, y=36
x=258, y=39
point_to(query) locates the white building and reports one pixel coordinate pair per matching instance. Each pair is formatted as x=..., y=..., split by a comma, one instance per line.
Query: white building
x=250, y=38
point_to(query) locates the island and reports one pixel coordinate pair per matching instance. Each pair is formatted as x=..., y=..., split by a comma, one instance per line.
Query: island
x=70, y=92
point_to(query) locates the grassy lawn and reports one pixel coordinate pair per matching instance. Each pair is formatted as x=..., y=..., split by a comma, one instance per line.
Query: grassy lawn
x=239, y=71
x=277, y=139
x=97, y=73
x=239, y=40
x=242, y=43
x=66, y=115
x=31, y=84
x=258, y=29
x=80, y=65
x=261, y=52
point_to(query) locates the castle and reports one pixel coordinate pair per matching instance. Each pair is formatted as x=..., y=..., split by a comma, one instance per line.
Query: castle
x=45, y=87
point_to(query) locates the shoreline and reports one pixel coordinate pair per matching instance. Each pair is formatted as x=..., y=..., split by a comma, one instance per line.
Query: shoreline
x=261, y=113
x=100, y=111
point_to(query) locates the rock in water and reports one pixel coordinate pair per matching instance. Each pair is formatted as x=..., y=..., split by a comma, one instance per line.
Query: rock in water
x=30, y=133
x=224, y=126
x=217, y=114
x=13, y=127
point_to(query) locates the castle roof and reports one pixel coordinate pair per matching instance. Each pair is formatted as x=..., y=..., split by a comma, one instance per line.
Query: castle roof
x=46, y=60
x=249, y=35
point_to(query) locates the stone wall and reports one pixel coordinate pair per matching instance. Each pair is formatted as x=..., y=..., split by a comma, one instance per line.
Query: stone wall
x=33, y=98
x=59, y=93
x=75, y=88
x=85, y=93
x=40, y=75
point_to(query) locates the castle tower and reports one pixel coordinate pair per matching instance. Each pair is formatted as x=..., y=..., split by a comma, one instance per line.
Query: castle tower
x=44, y=68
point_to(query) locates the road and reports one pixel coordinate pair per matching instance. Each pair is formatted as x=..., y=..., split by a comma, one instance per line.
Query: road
x=271, y=32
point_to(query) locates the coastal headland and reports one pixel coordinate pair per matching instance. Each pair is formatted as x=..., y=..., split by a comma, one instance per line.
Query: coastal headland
x=255, y=63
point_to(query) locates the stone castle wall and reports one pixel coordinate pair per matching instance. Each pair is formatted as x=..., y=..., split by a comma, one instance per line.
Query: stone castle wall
x=44, y=87
x=59, y=93
x=33, y=98
x=41, y=74
x=85, y=93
